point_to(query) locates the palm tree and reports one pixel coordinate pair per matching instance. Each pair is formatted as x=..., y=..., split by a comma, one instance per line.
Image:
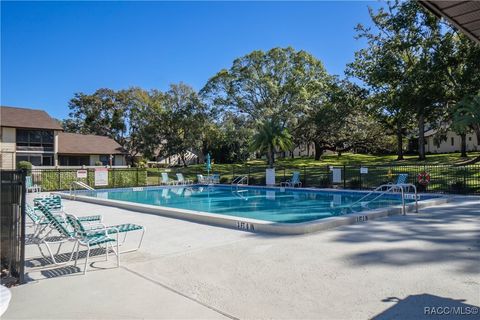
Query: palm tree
x=271, y=137
x=467, y=117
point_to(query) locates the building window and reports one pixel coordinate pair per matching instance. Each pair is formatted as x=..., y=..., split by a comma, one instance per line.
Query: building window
x=34, y=140
x=105, y=159
x=74, y=160
x=36, y=159
x=452, y=141
x=469, y=138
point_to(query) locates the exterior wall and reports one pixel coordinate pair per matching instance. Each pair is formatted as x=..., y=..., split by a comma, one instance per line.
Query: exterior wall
x=446, y=146
x=8, y=148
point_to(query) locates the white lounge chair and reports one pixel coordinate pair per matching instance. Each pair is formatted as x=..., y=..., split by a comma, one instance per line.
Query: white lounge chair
x=166, y=179
x=181, y=179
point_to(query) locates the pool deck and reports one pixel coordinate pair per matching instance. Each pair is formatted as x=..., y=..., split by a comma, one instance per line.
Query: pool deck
x=387, y=268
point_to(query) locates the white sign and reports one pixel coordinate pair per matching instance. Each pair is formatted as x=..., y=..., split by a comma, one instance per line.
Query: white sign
x=270, y=177
x=336, y=175
x=101, y=177
x=82, y=174
x=363, y=170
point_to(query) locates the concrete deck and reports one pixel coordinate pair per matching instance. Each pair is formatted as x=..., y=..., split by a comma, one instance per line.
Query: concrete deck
x=383, y=269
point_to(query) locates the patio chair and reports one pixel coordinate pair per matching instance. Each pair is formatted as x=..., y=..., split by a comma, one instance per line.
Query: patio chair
x=94, y=237
x=52, y=202
x=294, y=181
x=55, y=205
x=30, y=186
x=402, y=178
x=64, y=235
x=201, y=178
x=166, y=179
x=181, y=179
x=38, y=222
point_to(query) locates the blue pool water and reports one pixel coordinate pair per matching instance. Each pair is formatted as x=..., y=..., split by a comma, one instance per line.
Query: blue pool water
x=269, y=204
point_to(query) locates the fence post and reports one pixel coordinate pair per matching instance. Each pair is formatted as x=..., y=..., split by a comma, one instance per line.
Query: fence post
x=344, y=177
x=59, y=179
x=22, y=226
x=360, y=175
x=137, y=176
x=305, y=177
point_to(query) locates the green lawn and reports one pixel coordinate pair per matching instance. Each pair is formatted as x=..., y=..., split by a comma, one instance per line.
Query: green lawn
x=366, y=159
x=316, y=173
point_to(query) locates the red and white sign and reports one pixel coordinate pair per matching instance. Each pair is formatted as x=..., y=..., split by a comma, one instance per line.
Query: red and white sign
x=101, y=176
x=82, y=174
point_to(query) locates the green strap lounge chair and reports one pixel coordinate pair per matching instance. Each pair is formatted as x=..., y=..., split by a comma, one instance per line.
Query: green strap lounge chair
x=402, y=178
x=64, y=235
x=55, y=205
x=30, y=186
x=96, y=237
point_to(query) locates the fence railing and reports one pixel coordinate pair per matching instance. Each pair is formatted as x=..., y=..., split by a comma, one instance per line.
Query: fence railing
x=12, y=226
x=443, y=178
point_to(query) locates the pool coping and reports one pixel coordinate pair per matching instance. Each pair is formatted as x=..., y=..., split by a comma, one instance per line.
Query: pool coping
x=262, y=226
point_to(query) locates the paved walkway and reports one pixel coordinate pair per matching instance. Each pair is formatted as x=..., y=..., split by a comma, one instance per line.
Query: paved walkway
x=383, y=269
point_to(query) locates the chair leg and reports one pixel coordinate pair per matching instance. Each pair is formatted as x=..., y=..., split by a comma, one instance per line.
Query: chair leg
x=76, y=256
x=86, y=260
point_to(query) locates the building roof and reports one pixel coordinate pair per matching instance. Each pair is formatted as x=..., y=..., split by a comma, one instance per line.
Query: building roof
x=74, y=143
x=27, y=118
x=465, y=15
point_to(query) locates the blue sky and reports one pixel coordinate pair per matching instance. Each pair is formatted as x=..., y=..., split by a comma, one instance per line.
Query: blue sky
x=50, y=50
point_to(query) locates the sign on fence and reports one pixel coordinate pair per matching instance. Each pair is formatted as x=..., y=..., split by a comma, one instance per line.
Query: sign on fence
x=363, y=170
x=336, y=175
x=101, y=177
x=82, y=174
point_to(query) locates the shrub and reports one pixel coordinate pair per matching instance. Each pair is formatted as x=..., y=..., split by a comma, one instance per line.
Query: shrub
x=459, y=187
x=98, y=163
x=52, y=180
x=324, y=182
x=24, y=165
x=355, y=183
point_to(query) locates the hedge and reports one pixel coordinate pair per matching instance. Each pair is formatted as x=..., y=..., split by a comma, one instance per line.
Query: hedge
x=61, y=179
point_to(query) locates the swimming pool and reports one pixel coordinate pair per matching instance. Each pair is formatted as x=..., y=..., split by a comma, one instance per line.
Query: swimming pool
x=268, y=204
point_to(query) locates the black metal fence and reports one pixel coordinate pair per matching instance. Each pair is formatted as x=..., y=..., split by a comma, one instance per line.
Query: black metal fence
x=61, y=179
x=12, y=226
x=443, y=178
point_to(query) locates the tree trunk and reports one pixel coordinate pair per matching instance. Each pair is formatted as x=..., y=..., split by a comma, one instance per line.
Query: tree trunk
x=292, y=155
x=308, y=149
x=270, y=157
x=421, y=137
x=318, y=151
x=399, y=141
x=463, y=147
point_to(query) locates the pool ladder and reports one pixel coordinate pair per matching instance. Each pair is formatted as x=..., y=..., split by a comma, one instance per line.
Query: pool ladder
x=240, y=181
x=379, y=191
x=75, y=184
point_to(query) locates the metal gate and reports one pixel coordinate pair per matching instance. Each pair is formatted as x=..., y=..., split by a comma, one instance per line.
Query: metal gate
x=12, y=226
